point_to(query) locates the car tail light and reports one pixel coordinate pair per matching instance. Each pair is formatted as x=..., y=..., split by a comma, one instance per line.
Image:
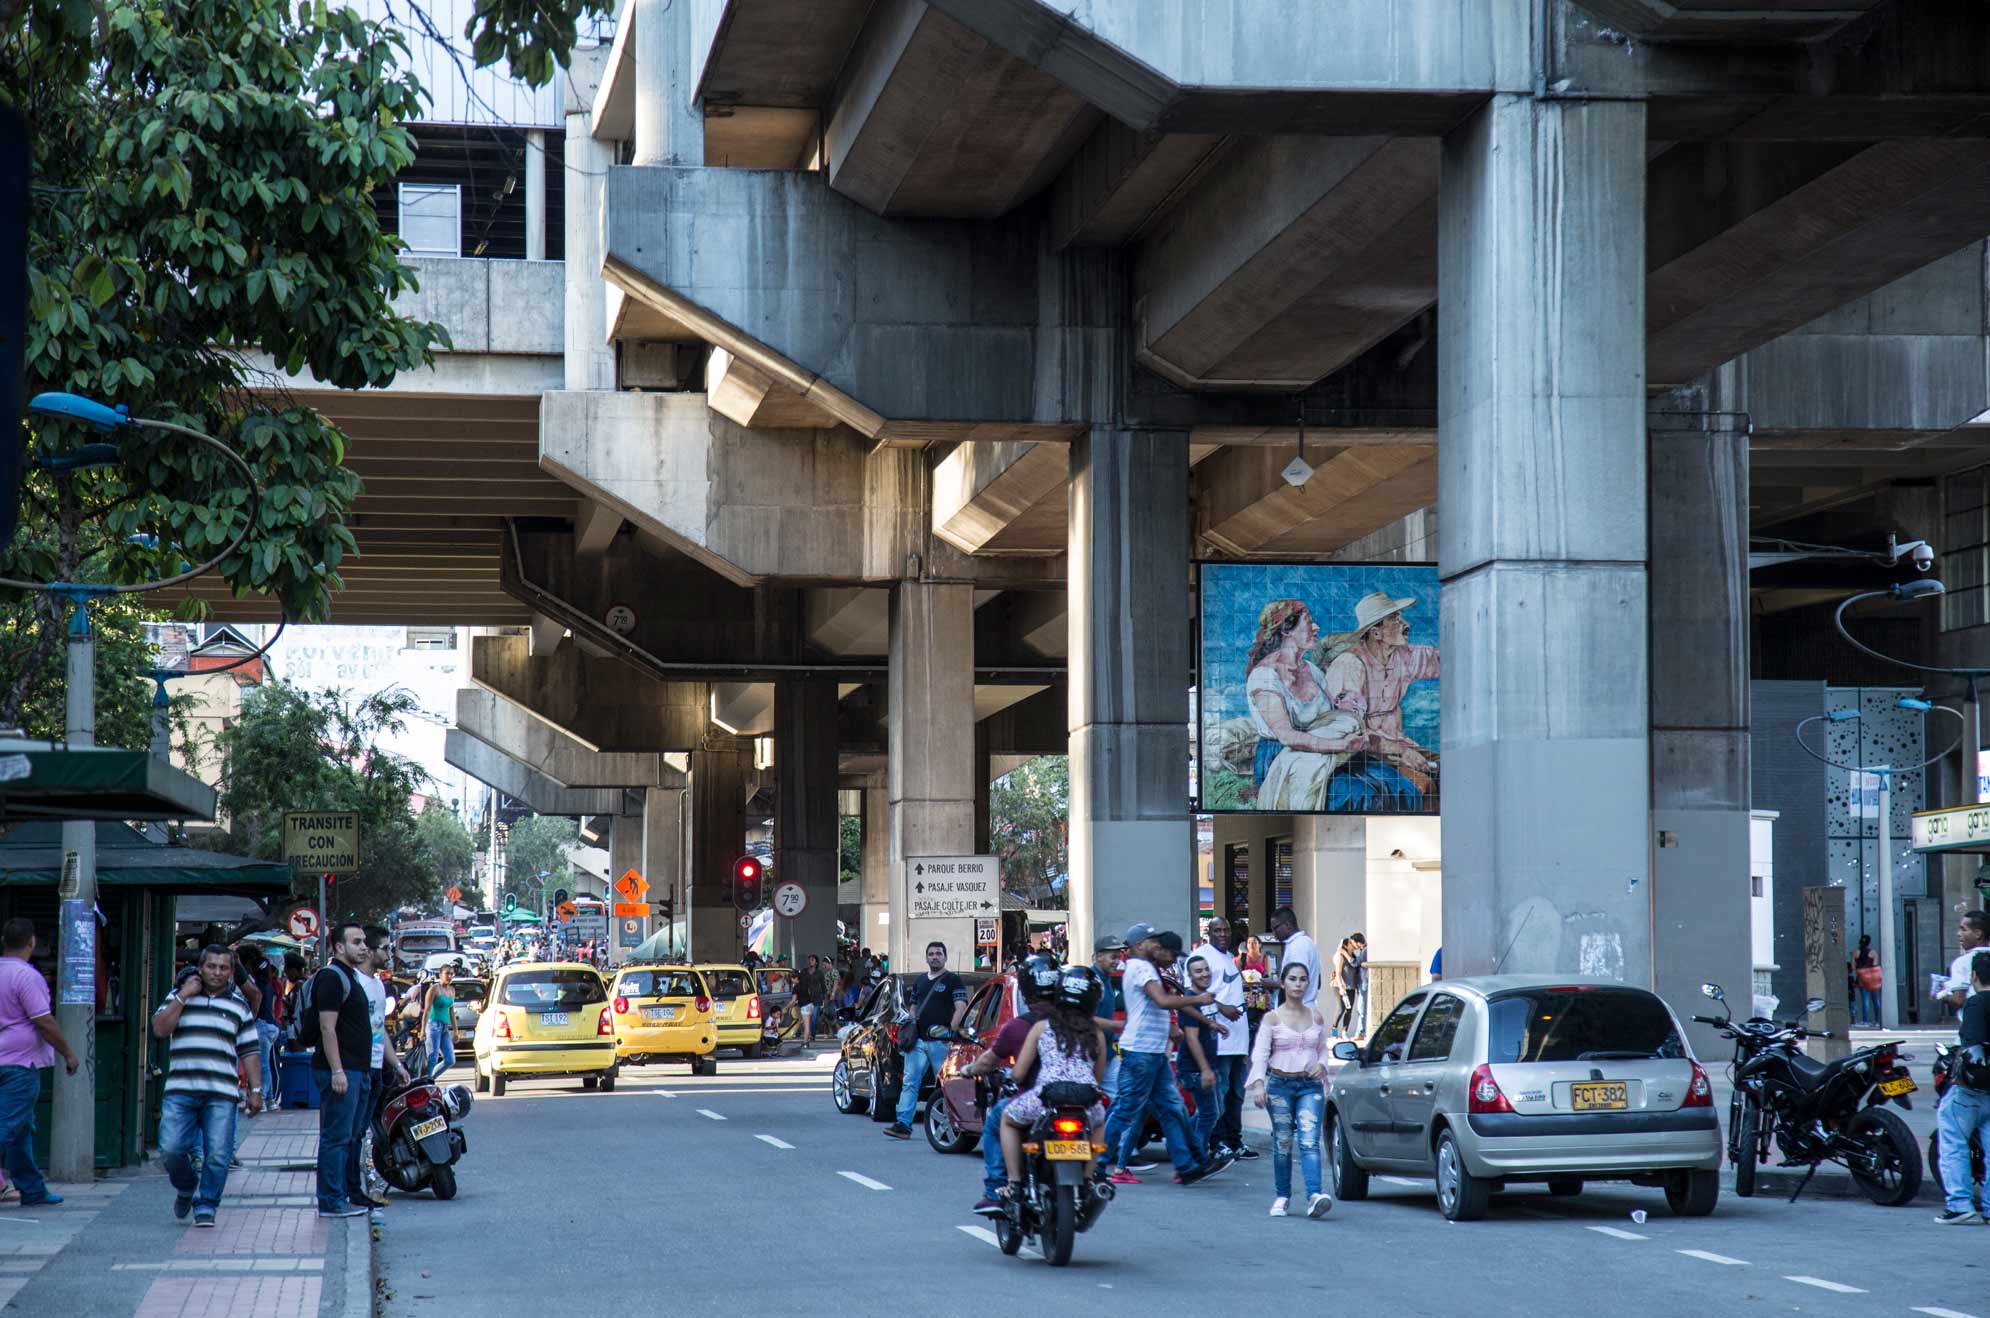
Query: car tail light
x=1067, y=1125
x=503, y=1030
x=607, y=1025
x=753, y=1008
x=1483, y=1094
x=621, y=1006
x=418, y=1097
x=1700, y=1093
x=702, y=1003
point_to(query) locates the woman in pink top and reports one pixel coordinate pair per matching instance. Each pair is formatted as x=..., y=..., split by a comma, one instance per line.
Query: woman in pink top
x=1288, y=1076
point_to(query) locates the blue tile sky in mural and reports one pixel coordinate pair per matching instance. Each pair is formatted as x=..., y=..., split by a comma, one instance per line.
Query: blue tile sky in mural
x=1319, y=688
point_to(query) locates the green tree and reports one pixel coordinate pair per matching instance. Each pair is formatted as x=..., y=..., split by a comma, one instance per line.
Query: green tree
x=850, y=849
x=35, y=688
x=538, y=844
x=203, y=180
x=1029, y=813
x=443, y=847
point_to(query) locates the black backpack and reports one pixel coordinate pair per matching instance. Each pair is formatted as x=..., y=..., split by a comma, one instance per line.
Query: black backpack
x=303, y=1034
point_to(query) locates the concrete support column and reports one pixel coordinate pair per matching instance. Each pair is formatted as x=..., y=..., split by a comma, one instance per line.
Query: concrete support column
x=625, y=848
x=805, y=822
x=663, y=857
x=875, y=920
x=590, y=360
x=535, y=194
x=1699, y=707
x=1330, y=891
x=1541, y=546
x=983, y=790
x=719, y=774
x=1132, y=852
x=670, y=129
x=930, y=778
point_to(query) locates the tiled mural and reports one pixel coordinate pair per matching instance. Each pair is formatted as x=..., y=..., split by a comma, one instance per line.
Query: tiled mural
x=1882, y=735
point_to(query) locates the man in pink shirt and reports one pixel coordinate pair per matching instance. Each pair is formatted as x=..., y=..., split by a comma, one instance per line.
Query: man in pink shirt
x=29, y=1041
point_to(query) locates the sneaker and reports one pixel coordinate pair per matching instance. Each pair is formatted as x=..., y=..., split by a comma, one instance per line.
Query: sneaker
x=1244, y=1152
x=1953, y=1218
x=898, y=1131
x=1217, y=1163
x=1319, y=1206
x=1124, y=1177
x=1142, y=1165
x=1278, y=1207
x=989, y=1206
x=182, y=1205
x=47, y=1199
x=235, y=1164
x=368, y=1202
x=350, y=1210
x=1194, y=1174
x=205, y=1217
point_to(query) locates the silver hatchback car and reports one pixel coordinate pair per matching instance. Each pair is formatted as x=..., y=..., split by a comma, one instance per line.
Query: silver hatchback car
x=1485, y=1082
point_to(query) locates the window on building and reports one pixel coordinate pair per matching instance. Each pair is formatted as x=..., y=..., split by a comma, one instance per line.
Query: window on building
x=1755, y=885
x=431, y=638
x=1965, y=547
x=432, y=219
x=1280, y=878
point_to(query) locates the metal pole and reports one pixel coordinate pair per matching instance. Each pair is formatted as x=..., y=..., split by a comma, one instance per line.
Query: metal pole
x=324, y=926
x=1889, y=989
x=73, y=1133
x=1975, y=747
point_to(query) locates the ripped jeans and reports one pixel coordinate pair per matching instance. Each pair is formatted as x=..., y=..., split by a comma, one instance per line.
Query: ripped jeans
x=1299, y=1102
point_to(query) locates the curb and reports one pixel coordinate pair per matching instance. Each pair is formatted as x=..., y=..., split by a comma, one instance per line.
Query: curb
x=360, y=1282
x=1771, y=1183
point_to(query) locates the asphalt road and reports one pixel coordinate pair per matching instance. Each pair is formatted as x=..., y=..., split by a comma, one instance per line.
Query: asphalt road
x=747, y=1191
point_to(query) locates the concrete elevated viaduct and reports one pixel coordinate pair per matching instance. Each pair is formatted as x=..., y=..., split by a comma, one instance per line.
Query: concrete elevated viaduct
x=912, y=349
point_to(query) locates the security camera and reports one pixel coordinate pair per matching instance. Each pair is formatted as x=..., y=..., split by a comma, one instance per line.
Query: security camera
x=1920, y=551
x=1924, y=557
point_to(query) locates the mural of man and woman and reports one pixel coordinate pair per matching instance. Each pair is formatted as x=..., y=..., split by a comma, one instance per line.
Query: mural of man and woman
x=1327, y=711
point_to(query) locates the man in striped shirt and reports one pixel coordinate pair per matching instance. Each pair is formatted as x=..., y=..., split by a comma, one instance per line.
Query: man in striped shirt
x=213, y=1033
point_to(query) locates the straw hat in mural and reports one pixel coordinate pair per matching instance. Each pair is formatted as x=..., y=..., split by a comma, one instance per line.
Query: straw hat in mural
x=1369, y=610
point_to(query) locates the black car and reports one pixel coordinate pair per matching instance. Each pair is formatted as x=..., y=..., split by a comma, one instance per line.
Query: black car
x=869, y=1069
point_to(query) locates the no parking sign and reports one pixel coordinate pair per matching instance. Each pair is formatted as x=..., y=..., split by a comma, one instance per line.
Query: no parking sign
x=629, y=932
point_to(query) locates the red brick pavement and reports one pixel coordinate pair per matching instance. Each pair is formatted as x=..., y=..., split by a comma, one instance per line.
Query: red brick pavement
x=237, y=1297
x=283, y=1231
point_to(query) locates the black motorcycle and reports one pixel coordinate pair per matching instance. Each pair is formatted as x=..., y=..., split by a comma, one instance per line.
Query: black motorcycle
x=1944, y=1077
x=1061, y=1193
x=1818, y=1112
x=415, y=1138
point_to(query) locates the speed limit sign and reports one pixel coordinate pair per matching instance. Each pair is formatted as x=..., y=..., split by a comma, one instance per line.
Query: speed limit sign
x=790, y=900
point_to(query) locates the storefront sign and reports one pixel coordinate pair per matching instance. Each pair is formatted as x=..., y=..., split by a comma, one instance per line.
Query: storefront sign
x=1958, y=828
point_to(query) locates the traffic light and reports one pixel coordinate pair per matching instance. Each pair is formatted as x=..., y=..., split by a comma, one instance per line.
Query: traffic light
x=666, y=910
x=746, y=874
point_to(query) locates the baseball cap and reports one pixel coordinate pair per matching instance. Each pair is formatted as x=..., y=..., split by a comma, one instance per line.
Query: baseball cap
x=1139, y=932
x=1108, y=943
x=1170, y=940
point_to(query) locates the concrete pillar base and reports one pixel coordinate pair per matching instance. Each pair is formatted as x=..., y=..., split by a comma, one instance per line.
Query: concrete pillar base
x=930, y=778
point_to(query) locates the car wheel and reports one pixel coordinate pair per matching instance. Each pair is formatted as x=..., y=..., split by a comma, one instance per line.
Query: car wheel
x=497, y=1084
x=479, y=1083
x=1564, y=1187
x=1461, y=1196
x=608, y=1079
x=589, y=1081
x=1692, y=1194
x=754, y=1050
x=1350, y=1182
x=942, y=1131
x=839, y=1089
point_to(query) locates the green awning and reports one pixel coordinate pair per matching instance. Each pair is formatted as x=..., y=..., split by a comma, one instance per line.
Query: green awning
x=48, y=780
x=31, y=856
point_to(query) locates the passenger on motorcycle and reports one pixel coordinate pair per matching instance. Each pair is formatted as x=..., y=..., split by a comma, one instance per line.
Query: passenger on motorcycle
x=1038, y=982
x=1067, y=1046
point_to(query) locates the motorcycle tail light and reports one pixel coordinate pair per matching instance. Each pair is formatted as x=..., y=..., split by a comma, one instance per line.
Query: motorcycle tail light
x=607, y=1023
x=503, y=1030
x=1700, y=1093
x=418, y=1097
x=1067, y=1125
x=1483, y=1094
x=753, y=1008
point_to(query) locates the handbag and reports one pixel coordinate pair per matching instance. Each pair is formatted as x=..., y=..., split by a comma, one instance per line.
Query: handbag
x=1870, y=978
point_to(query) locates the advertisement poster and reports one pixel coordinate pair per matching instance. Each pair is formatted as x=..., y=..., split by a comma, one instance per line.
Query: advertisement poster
x=77, y=967
x=1319, y=688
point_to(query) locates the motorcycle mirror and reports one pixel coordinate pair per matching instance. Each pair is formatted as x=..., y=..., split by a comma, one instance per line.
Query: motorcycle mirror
x=1712, y=991
x=1813, y=1006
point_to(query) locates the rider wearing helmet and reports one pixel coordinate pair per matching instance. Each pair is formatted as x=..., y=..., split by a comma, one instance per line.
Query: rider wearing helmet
x=1036, y=984
x=1071, y=1049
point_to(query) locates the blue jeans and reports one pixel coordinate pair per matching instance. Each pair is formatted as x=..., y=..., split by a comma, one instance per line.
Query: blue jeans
x=1147, y=1081
x=994, y=1171
x=266, y=1054
x=1866, y=1007
x=20, y=1086
x=341, y=1121
x=922, y=1058
x=441, y=1048
x=1211, y=1103
x=183, y=1119
x=1296, y=1106
x=1963, y=1112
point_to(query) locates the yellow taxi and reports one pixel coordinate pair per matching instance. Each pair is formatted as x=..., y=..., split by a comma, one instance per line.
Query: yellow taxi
x=664, y=1014
x=738, y=1015
x=544, y=1019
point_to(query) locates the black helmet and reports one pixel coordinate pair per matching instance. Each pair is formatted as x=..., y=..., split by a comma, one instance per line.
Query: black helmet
x=1080, y=987
x=1039, y=978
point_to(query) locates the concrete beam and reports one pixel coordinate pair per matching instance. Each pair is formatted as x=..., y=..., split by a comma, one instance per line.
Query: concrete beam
x=1244, y=506
x=595, y=528
x=1002, y=498
x=547, y=633
x=744, y=709
x=745, y=394
x=777, y=52
x=1760, y=20
x=552, y=751
x=1121, y=179
x=602, y=703
x=847, y=620
x=522, y=782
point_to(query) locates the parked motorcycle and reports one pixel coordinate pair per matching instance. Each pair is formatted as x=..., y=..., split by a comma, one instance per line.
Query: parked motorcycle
x=1945, y=1055
x=1061, y=1193
x=415, y=1138
x=1817, y=1112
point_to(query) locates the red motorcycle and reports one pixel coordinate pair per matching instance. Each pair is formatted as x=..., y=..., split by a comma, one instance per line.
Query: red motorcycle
x=415, y=1139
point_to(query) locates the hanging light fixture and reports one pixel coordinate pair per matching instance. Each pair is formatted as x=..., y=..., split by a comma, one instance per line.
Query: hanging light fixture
x=1298, y=471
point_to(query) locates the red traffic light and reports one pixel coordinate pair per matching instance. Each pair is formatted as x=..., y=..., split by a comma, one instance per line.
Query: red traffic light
x=746, y=872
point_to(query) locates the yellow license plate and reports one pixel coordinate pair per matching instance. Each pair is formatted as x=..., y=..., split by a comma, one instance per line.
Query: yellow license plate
x=1600, y=1096
x=433, y=1126
x=1896, y=1087
x=1068, y=1150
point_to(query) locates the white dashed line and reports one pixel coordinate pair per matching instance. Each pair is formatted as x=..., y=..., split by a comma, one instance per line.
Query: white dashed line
x=1714, y=1258
x=1617, y=1234
x=707, y=1112
x=769, y=1139
x=1934, y=1312
x=984, y=1234
x=1838, y=1287
x=864, y=1180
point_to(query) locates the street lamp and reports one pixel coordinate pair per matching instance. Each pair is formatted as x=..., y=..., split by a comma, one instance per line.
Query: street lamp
x=1913, y=590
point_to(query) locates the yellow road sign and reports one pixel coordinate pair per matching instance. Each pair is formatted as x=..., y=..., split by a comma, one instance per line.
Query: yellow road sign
x=322, y=841
x=632, y=886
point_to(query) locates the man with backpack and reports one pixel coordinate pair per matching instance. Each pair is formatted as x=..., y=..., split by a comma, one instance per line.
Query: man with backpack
x=936, y=1002
x=336, y=1022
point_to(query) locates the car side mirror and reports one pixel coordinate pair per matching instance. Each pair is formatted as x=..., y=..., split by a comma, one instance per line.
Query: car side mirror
x=1347, y=1052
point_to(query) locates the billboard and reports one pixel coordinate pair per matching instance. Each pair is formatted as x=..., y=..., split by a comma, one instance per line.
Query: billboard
x=1318, y=688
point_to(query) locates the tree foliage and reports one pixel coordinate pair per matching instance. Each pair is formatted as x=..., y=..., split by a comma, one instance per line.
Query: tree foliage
x=538, y=844
x=443, y=847
x=1029, y=814
x=34, y=685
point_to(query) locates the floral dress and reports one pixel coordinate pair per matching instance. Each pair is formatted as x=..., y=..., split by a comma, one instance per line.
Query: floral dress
x=1053, y=1065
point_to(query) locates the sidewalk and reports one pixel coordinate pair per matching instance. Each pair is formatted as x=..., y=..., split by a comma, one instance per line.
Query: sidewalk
x=113, y=1246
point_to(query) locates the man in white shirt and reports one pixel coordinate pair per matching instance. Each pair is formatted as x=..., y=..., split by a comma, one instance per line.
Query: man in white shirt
x=1973, y=932
x=1233, y=1050
x=1298, y=948
x=384, y=1062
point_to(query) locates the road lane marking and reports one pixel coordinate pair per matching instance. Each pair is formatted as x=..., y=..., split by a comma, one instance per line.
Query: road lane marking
x=864, y=1180
x=1714, y=1258
x=1620, y=1235
x=1836, y=1286
x=769, y=1139
x=707, y=1112
x=1934, y=1312
x=983, y=1233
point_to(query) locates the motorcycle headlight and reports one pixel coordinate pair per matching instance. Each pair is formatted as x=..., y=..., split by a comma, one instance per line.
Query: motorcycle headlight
x=456, y=1100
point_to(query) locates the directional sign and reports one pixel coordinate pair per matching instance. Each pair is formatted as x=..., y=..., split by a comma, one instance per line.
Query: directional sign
x=632, y=886
x=303, y=923
x=790, y=900
x=631, y=910
x=952, y=886
x=322, y=841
